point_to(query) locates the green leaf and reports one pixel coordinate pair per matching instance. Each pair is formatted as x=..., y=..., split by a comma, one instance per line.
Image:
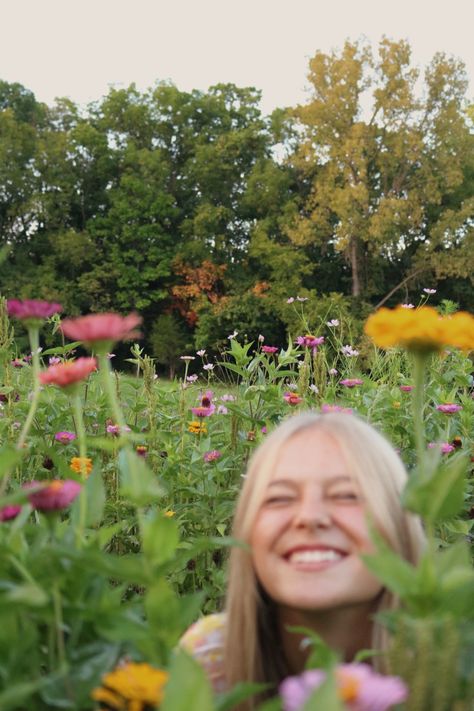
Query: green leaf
x=160, y=537
x=94, y=491
x=138, y=484
x=240, y=692
x=9, y=457
x=439, y=495
x=325, y=697
x=393, y=571
x=187, y=687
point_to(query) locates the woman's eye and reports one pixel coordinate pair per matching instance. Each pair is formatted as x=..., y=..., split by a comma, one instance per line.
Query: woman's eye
x=345, y=496
x=278, y=499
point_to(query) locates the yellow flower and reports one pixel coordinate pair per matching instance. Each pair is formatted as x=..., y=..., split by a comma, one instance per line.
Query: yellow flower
x=396, y=404
x=197, y=427
x=422, y=329
x=132, y=686
x=81, y=465
x=170, y=514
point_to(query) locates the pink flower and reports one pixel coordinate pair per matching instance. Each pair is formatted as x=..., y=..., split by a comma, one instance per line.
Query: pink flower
x=212, y=455
x=429, y=291
x=54, y=360
x=206, y=408
x=292, y=398
x=191, y=378
x=269, y=349
x=18, y=363
x=32, y=309
x=227, y=397
x=301, y=298
x=333, y=371
x=222, y=410
x=406, y=388
x=349, y=351
x=9, y=512
x=449, y=408
x=201, y=353
x=351, y=382
x=309, y=341
x=53, y=495
x=115, y=429
x=208, y=366
x=264, y=430
x=362, y=688
x=326, y=408
x=64, y=437
x=102, y=327
x=408, y=306
x=445, y=447
x=68, y=373
x=290, y=300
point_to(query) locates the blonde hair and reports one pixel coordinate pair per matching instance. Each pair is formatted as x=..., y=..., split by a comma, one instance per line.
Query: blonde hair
x=252, y=645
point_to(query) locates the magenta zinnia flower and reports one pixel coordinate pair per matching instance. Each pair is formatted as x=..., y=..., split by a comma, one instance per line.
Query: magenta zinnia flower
x=64, y=437
x=53, y=495
x=9, y=512
x=449, y=408
x=32, y=309
x=445, y=447
x=102, y=327
x=269, y=349
x=327, y=408
x=309, y=341
x=69, y=372
x=358, y=685
x=351, y=382
x=406, y=388
x=292, y=398
x=212, y=455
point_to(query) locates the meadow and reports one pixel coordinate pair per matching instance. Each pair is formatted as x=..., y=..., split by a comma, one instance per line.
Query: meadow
x=117, y=492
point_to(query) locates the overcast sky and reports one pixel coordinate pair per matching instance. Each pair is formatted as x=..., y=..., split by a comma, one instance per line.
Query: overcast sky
x=78, y=48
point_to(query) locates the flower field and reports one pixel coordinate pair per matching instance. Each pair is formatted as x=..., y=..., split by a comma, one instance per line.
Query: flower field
x=117, y=493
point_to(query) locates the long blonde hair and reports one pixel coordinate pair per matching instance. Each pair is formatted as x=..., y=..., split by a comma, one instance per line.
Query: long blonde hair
x=252, y=645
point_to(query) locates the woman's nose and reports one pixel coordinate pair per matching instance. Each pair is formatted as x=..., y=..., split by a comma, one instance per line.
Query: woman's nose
x=312, y=512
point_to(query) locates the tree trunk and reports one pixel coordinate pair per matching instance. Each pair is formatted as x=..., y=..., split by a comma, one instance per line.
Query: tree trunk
x=354, y=260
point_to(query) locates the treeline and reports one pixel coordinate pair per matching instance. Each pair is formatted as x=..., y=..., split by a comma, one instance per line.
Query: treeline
x=205, y=216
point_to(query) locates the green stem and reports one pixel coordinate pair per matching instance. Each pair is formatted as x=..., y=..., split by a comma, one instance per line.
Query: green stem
x=33, y=334
x=58, y=624
x=420, y=361
x=81, y=436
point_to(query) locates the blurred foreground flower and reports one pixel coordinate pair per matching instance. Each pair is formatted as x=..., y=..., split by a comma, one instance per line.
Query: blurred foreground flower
x=53, y=495
x=32, y=309
x=131, y=687
x=326, y=408
x=141, y=450
x=358, y=686
x=196, y=427
x=212, y=455
x=351, y=382
x=9, y=512
x=80, y=465
x=421, y=330
x=65, y=374
x=449, y=408
x=102, y=327
x=444, y=447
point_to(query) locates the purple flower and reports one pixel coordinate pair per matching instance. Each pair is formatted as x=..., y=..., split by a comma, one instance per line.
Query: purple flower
x=191, y=378
x=449, y=408
x=362, y=688
x=9, y=512
x=351, y=382
x=269, y=349
x=32, y=309
x=53, y=495
x=310, y=341
x=222, y=410
x=212, y=455
x=445, y=447
x=64, y=437
x=54, y=360
x=406, y=388
x=115, y=429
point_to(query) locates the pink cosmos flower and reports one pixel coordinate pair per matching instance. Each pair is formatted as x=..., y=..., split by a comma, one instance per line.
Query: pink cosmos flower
x=358, y=685
x=115, y=429
x=445, y=447
x=406, y=388
x=54, y=360
x=309, y=341
x=269, y=349
x=449, y=408
x=69, y=372
x=64, y=437
x=32, y=309
x=326, y=408
x=53, y=495
x=102, y=327
x=351, y=382
x=9, y=512
x=212, y=455
x=292, y=398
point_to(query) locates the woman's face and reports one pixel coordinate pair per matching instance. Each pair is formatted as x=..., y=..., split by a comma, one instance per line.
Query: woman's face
x=311, y=528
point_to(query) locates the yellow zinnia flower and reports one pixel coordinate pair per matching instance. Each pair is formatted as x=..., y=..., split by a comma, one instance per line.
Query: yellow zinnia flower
x=132, y=686
x=170, y=514
x=422, y=329
x=81, y=465
x=197, y=427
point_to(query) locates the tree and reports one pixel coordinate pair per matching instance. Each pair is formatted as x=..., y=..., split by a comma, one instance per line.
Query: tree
x=380, y=176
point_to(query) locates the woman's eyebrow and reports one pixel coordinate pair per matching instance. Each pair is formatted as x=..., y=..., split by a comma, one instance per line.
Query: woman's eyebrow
x=345, y=478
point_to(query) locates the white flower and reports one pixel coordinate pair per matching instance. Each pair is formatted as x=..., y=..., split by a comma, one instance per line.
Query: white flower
x=290, y=300
x=332, y=371
x=349, y=351
x=233, y=335
x=201, y=353
x=192, y=378
x=187, y=358
x=292, y=386
x=429, y=291
x=314, y=388
x=261, y=338
x=227, y=397
x=301, y=298
x=332, y=322
x=222, y=410
x=208, y=366
x=408, y=306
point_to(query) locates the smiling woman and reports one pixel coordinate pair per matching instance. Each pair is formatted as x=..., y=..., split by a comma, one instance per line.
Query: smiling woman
x=304, y=509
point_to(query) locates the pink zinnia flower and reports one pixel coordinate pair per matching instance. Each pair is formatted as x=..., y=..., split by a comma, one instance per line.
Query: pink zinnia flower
x=212, y=455
x=269, y=349
x=326, y=408
x=445, y=447
x=406, y=388
x=64, y=437
x=351, y=382
x=115, y=429
x=18, y=363
x=68, y=373
x=53, y=495
x=310, y=341
x=292, y=398
x=449, y=408
x=32, y=309
x=102, y=327
x=358, y=685
x=9, y=512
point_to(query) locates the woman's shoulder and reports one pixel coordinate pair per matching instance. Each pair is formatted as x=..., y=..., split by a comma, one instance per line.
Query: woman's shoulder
x=204, y=641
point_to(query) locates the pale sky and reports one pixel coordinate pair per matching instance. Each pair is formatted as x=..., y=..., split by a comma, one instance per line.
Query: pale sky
x=78, y=48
